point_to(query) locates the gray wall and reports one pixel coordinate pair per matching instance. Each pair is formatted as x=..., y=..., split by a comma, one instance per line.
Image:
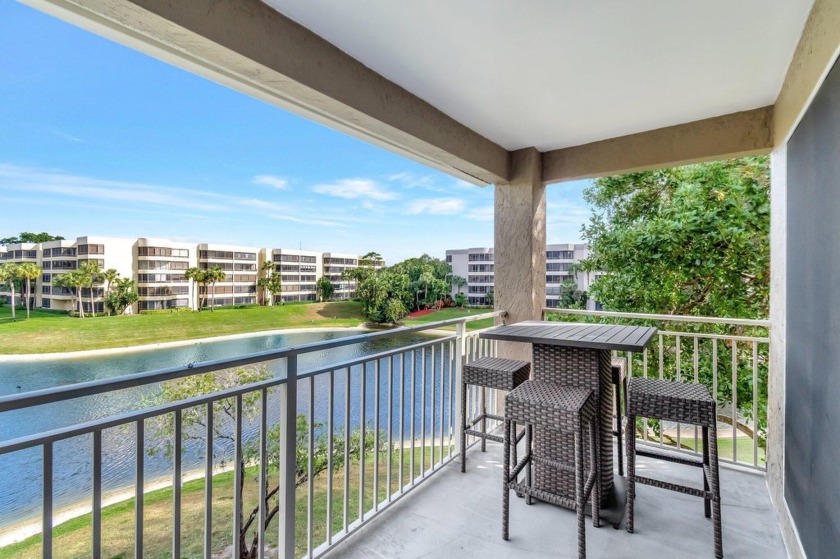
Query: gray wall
x=812, y=385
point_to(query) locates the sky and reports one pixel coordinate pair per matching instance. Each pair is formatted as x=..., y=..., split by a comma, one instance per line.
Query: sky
x=98, y=139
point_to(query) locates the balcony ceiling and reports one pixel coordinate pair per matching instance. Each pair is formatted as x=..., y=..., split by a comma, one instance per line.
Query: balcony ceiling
x=565, y=73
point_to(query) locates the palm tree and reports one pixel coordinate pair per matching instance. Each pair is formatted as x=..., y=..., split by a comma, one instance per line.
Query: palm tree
x=214, y=274
x=74, y=280
x=271, y=282
x=199, y=279
x=109, y=276
x=90, y=272
x=458, y=282
x=28, y=271
x=8, y=273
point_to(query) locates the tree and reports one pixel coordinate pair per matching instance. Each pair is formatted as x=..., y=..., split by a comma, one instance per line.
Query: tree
x=383, y=296
x=460, y=300
x=109, y=276
x=691, y=240
x=28, y=272
x=214, y=274
x=27, y=237
x=688, y=240
x=74, y=281
x=8, y=274
x=371, y=260
x=91, y=274
x=193, y=421
x=122, y=296
x=199, y=279
x=271, y=282
x=458, y=282
x=324, y=288
x=570, y=296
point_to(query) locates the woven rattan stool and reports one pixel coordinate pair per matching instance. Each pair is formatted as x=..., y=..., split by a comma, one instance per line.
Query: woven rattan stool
x=488, y=372
x=561, y=409
x=683, y=403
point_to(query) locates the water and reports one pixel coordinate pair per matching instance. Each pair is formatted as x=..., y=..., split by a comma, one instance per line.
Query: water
x=20, y=484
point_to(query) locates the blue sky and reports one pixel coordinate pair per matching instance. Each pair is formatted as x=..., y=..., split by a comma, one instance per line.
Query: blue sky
x=97, y=139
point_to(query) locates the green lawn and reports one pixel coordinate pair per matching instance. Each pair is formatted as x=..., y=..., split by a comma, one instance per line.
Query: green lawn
x=72, y=539
x=48, y=332
x=452, y=312
x=53, y=332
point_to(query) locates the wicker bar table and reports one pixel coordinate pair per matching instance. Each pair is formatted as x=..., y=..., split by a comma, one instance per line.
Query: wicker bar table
x=579, y=355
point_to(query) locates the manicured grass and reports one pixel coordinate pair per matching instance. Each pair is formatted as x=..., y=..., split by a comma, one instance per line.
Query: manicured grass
x=54, y=332
x=453, y=312
x=72, y=539
x=47, y=332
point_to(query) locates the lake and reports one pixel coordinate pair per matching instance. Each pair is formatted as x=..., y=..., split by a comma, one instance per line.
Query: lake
x=20, y=486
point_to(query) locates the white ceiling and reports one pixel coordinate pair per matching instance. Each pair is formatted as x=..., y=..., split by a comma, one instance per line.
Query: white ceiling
x=558, y=73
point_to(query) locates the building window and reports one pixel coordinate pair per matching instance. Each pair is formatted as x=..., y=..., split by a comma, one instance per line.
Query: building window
x=244, y=255
x=91, y=249
x=560, y=255
x=45, y=302
x=308, y=259
x=557, y=267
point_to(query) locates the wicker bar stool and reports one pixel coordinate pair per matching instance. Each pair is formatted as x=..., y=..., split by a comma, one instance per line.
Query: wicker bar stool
x=684, y=403
x=488, y=372
x=561, y=409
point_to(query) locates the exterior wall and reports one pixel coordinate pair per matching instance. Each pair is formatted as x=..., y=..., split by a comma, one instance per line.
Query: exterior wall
x=161, y=266
x=477, y=266
x=300, y=269
x=242, y=270
x=812, y=323
x=334, y=265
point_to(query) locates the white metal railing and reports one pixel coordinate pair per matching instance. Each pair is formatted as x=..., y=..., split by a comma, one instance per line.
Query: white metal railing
x=339, y=430
x=729, y=355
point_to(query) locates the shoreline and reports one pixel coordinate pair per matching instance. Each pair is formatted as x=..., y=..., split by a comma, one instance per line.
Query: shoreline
x=29, y=357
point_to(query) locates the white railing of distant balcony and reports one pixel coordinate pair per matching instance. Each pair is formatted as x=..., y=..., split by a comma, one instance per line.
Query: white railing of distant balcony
x=718, y=352
x=357, y=435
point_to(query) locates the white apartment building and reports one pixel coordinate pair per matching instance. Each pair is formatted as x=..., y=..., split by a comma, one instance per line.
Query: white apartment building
x=159, y=266
x=299, y=269
x=241, y=265
x=476, y=265
x=334, y=265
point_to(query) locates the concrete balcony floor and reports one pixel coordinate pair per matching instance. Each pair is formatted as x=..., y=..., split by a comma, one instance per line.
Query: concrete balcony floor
x=459, y=515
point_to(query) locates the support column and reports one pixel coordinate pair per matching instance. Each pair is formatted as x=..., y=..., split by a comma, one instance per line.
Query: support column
x=519, y=241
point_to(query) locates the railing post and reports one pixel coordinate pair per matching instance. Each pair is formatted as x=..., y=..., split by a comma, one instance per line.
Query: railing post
x=288, y=465
x=460, y=335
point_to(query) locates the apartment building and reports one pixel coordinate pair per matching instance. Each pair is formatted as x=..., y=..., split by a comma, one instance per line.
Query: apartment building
x=241, y=265
x=159, y=266
x=56, y=258
x=299, y=270
x=334, y=266
x=476, y=265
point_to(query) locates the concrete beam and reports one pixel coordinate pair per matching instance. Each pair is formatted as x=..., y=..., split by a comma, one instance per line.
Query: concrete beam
x=732, y=135
x=818, y=49
x=250, y=47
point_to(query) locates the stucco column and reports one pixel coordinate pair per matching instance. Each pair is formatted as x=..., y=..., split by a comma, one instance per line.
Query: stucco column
x=519, y=241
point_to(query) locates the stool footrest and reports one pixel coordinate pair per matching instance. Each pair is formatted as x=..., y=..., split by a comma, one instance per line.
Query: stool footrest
x=488, y=436
x=675, y=487
x=474, y=421
x=669, y=458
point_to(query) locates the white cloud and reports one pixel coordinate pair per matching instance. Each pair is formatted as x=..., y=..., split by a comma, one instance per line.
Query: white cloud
x=272, y=181
x=308, y=221
x=484, y=213
x=355, y=188
x=436, y=206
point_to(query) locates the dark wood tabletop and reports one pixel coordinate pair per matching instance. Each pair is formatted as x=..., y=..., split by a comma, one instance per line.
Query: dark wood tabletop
x=570, y=334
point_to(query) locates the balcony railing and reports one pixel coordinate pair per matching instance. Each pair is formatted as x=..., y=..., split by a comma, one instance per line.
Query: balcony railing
x=355, y=435
x=729, y=355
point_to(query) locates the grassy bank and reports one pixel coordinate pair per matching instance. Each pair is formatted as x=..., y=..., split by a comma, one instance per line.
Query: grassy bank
x=52, y=332
x=72, y=539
